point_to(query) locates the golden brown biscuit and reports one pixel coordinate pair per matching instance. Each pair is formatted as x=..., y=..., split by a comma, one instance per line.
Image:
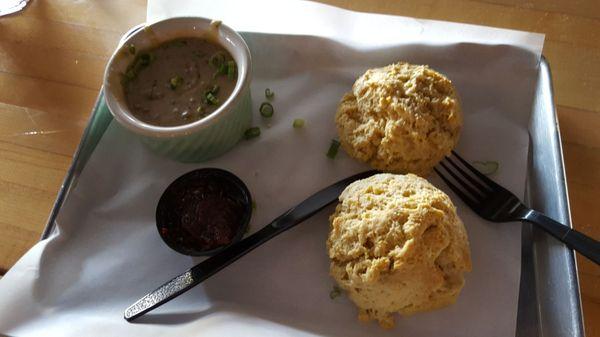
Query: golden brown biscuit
x=396, y=244
x=401, y=118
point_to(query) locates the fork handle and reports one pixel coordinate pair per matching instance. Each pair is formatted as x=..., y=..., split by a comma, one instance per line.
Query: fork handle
x=574, y=239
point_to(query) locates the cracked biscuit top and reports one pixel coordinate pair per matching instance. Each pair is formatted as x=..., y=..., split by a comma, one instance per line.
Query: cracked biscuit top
x=401, y=118
x=396, y=244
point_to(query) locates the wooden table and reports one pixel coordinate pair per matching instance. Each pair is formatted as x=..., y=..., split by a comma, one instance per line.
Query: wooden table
x=52, y=57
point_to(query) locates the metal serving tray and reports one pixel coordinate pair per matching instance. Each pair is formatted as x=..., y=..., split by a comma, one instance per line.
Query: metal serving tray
x=549, y=303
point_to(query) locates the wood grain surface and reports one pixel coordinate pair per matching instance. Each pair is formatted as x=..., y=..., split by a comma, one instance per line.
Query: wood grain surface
x=52, y=56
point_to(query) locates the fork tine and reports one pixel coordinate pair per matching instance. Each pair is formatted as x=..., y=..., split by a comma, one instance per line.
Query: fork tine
x=492, y=185
x=468, y=176
x=470, y=202
x=473, y=191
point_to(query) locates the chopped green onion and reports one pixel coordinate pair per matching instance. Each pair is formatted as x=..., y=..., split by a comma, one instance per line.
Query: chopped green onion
x=333, y=149
x=231, y=69
x=130, y=74
x=199, y=109
x=222, y=69
x=146, y=58
x=217, y=59
x=269, y=94
x=211, y=99
x=252, y=132
x=266, y=110
x=486, y=167
x=175, y=82
x=335, y=292
x=214, y=89
x=131, y=49
x=139, y=62
x=298, y=123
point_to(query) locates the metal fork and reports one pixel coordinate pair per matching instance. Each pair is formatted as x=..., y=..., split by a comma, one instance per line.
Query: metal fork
x=495, y=203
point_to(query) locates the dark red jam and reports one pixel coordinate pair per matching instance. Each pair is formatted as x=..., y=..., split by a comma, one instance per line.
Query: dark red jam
x=203, y=210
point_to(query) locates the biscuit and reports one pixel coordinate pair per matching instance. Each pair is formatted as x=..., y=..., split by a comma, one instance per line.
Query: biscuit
x=401, y=118
x=396, y=244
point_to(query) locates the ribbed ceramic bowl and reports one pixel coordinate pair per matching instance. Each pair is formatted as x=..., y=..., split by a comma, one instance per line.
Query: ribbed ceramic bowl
x=206, y=138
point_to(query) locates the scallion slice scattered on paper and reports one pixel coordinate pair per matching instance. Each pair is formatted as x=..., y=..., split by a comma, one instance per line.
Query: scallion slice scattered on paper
x=488, y=167
x=333, y=149
x=269, y=94
x=266, y=110
x=252, y=132
x=298, y=123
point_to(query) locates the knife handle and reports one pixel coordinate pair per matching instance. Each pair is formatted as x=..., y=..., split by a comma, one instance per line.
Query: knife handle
x=163, y=294
x=200, y=272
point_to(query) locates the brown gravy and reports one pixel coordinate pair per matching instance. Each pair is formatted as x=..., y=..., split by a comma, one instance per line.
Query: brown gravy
x=178, y=82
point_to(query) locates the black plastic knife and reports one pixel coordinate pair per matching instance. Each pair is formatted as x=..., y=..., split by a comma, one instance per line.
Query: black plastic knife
x=212, y=265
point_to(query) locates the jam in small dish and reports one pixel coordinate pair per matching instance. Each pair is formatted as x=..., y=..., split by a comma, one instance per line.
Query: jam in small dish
x=203, y=211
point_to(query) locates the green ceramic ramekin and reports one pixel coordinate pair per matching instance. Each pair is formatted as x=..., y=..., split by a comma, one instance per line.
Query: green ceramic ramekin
x=201, y=140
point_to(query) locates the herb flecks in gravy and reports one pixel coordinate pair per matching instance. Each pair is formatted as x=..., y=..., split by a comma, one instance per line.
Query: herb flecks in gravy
x=179, y=82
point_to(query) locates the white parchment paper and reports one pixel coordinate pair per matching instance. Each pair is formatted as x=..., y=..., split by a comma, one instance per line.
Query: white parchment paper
x=106, y=253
